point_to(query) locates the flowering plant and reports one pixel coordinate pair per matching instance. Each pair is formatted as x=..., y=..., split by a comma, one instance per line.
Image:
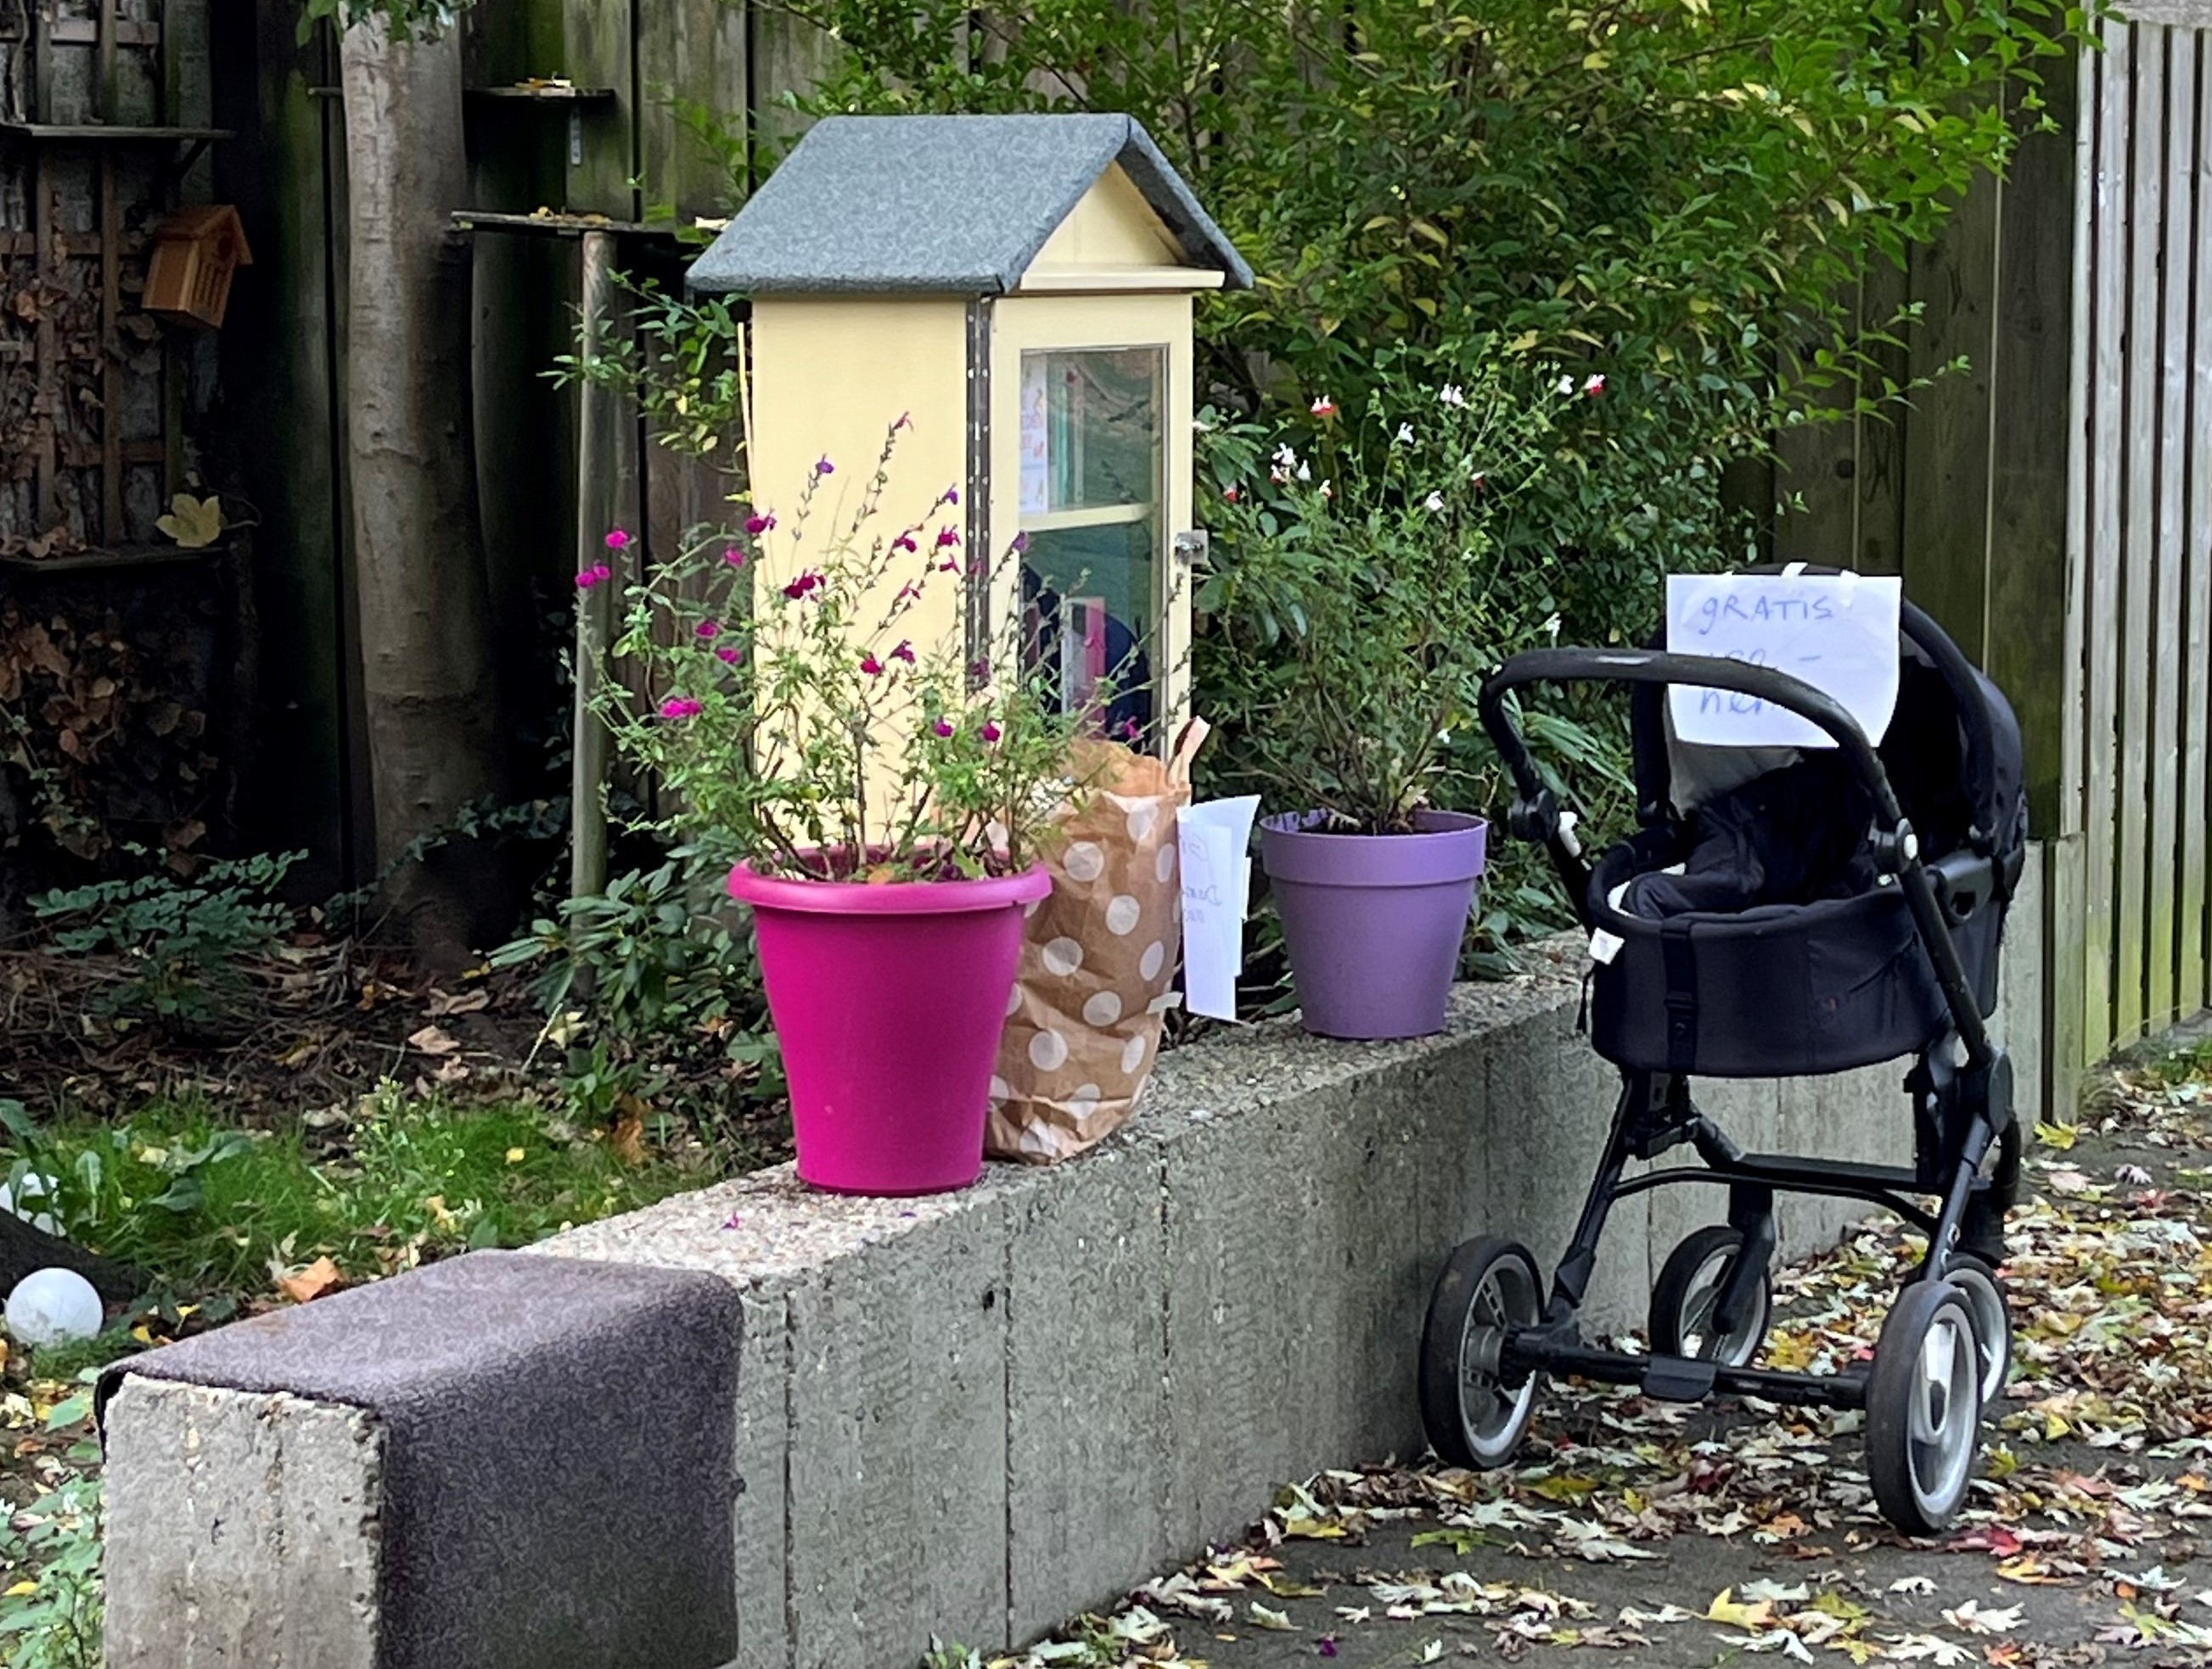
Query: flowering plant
x=793, y=710
x=1357, y=606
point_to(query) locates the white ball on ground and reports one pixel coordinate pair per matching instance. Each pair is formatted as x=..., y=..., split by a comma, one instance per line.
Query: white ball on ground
x=34, y=1188
x=53, y=1306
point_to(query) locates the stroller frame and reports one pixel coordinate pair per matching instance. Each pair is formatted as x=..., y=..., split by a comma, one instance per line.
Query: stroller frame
x=1961, y=1089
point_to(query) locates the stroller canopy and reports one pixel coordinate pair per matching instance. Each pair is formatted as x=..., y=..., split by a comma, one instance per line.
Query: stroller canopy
x=1953, y=752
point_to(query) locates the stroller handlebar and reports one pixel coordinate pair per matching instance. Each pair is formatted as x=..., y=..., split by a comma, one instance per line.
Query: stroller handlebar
x=1708, y=671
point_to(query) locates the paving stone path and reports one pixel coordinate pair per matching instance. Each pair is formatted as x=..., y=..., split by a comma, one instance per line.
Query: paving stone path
x=1686, y=1536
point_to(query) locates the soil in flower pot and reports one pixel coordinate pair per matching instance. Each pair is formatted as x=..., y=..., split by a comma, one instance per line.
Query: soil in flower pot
x=1374, y=923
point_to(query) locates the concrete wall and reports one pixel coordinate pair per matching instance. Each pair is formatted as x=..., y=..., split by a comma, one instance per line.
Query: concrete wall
x=972, y=1415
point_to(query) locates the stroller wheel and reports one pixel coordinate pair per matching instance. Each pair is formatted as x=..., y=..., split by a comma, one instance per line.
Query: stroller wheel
x=1992, y=1319
x=1687, y=1291
x=1924, y=1407
x=1473, y=1417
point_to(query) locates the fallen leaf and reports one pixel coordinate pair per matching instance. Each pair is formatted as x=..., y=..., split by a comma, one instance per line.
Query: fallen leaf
x=432, y=1040
x=1974, y=1618
x=1726, y=1608
x=1267, y=1616
x=193, y=523
x=311, y=1282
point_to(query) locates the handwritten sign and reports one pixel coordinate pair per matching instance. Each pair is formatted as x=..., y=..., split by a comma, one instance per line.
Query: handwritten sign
x=1836, y=632
x=1216, y=847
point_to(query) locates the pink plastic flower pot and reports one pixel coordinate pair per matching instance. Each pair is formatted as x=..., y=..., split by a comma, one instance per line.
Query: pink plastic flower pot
x=887, y=1002
x=1373, y=923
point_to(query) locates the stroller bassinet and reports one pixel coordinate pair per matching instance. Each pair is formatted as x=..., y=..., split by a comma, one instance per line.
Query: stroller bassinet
x=1836, y=976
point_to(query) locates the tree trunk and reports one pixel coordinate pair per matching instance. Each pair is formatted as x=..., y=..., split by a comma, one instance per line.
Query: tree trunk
x=24, y=1249
x=433, y=718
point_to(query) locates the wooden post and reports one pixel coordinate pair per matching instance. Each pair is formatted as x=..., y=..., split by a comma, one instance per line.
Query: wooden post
x=595, y=614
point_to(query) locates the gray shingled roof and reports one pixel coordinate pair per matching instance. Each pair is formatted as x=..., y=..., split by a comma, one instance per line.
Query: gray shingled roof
x=958, y=205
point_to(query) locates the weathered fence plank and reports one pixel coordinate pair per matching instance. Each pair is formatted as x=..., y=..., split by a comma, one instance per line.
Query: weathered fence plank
x=2138, y=551
x=2030, y=437
x=690, y=53
x=1881, y=453
x=2195, y=808
x=1947, y=441
x=2109, y=252
x=2169, y=552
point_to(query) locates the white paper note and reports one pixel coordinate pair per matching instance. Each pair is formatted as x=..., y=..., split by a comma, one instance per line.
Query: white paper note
x=1836, y=632
x=1216, y=847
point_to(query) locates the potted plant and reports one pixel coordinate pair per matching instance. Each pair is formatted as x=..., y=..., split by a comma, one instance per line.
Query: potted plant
x=1361, y=568
x=880, y=799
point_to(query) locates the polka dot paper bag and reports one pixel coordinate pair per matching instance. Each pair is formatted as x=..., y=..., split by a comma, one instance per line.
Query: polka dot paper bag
x=1098, y=954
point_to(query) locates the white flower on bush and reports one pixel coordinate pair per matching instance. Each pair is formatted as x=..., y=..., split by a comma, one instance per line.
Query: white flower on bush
x=1595, y=386
x=1551, y=628
x=1435, y=503
x=1405, y=436
x=1566, y=386
x=1451, y=395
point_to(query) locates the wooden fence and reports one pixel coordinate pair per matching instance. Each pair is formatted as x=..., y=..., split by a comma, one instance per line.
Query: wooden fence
x=2053, y=507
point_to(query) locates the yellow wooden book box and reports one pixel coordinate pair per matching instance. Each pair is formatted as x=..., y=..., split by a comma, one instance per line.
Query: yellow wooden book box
x=1020, y=287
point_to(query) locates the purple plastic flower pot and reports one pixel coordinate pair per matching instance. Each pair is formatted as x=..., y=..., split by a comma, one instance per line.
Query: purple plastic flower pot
x=1374, y=922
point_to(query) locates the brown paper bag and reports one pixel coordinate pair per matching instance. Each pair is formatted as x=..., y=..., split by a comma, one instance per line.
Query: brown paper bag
x=1083, y=1025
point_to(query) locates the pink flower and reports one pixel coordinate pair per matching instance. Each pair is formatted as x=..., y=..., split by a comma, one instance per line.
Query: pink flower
x=734, y=556
x=1324, y=407
x=903, y=652
x=871, y=666
x=904, y=542
x=706, y=629
x=1021, y=543
x=799, y=586
x=617, y=539
x=588, y=579
x=943, y=727
x=824, y=466
x=905, y=421
x=907, y=593
x=990, y=732
x=1127, y=730
x=758, y=525
x=679, y=707
x=1594, y=387
x=727, y=655
x=602, y=572
x=1229, y=495
x=979, y=669
x=946, y=536
x=950, y=565
x=952, y=495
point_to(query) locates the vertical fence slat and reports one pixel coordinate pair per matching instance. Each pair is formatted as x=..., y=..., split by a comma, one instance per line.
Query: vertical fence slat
x=695, y=51
x=2100, y=612
x=1881, y=436
x=2161, y=646
x=2197, y=657
x=2032, y=427
x=2065, y=973
x=2147, y=190
x=1947, y=441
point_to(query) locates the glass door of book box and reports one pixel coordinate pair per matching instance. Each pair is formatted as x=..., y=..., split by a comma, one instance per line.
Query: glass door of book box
x=1091, y=517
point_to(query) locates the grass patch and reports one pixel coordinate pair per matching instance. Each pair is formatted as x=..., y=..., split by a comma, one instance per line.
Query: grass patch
x=209, y=1209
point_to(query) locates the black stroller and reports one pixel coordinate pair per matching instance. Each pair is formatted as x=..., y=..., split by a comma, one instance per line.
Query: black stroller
x=1830, y=911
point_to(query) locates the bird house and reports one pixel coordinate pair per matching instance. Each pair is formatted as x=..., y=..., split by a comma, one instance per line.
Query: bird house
x=197, y=251
x=1020, y=287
